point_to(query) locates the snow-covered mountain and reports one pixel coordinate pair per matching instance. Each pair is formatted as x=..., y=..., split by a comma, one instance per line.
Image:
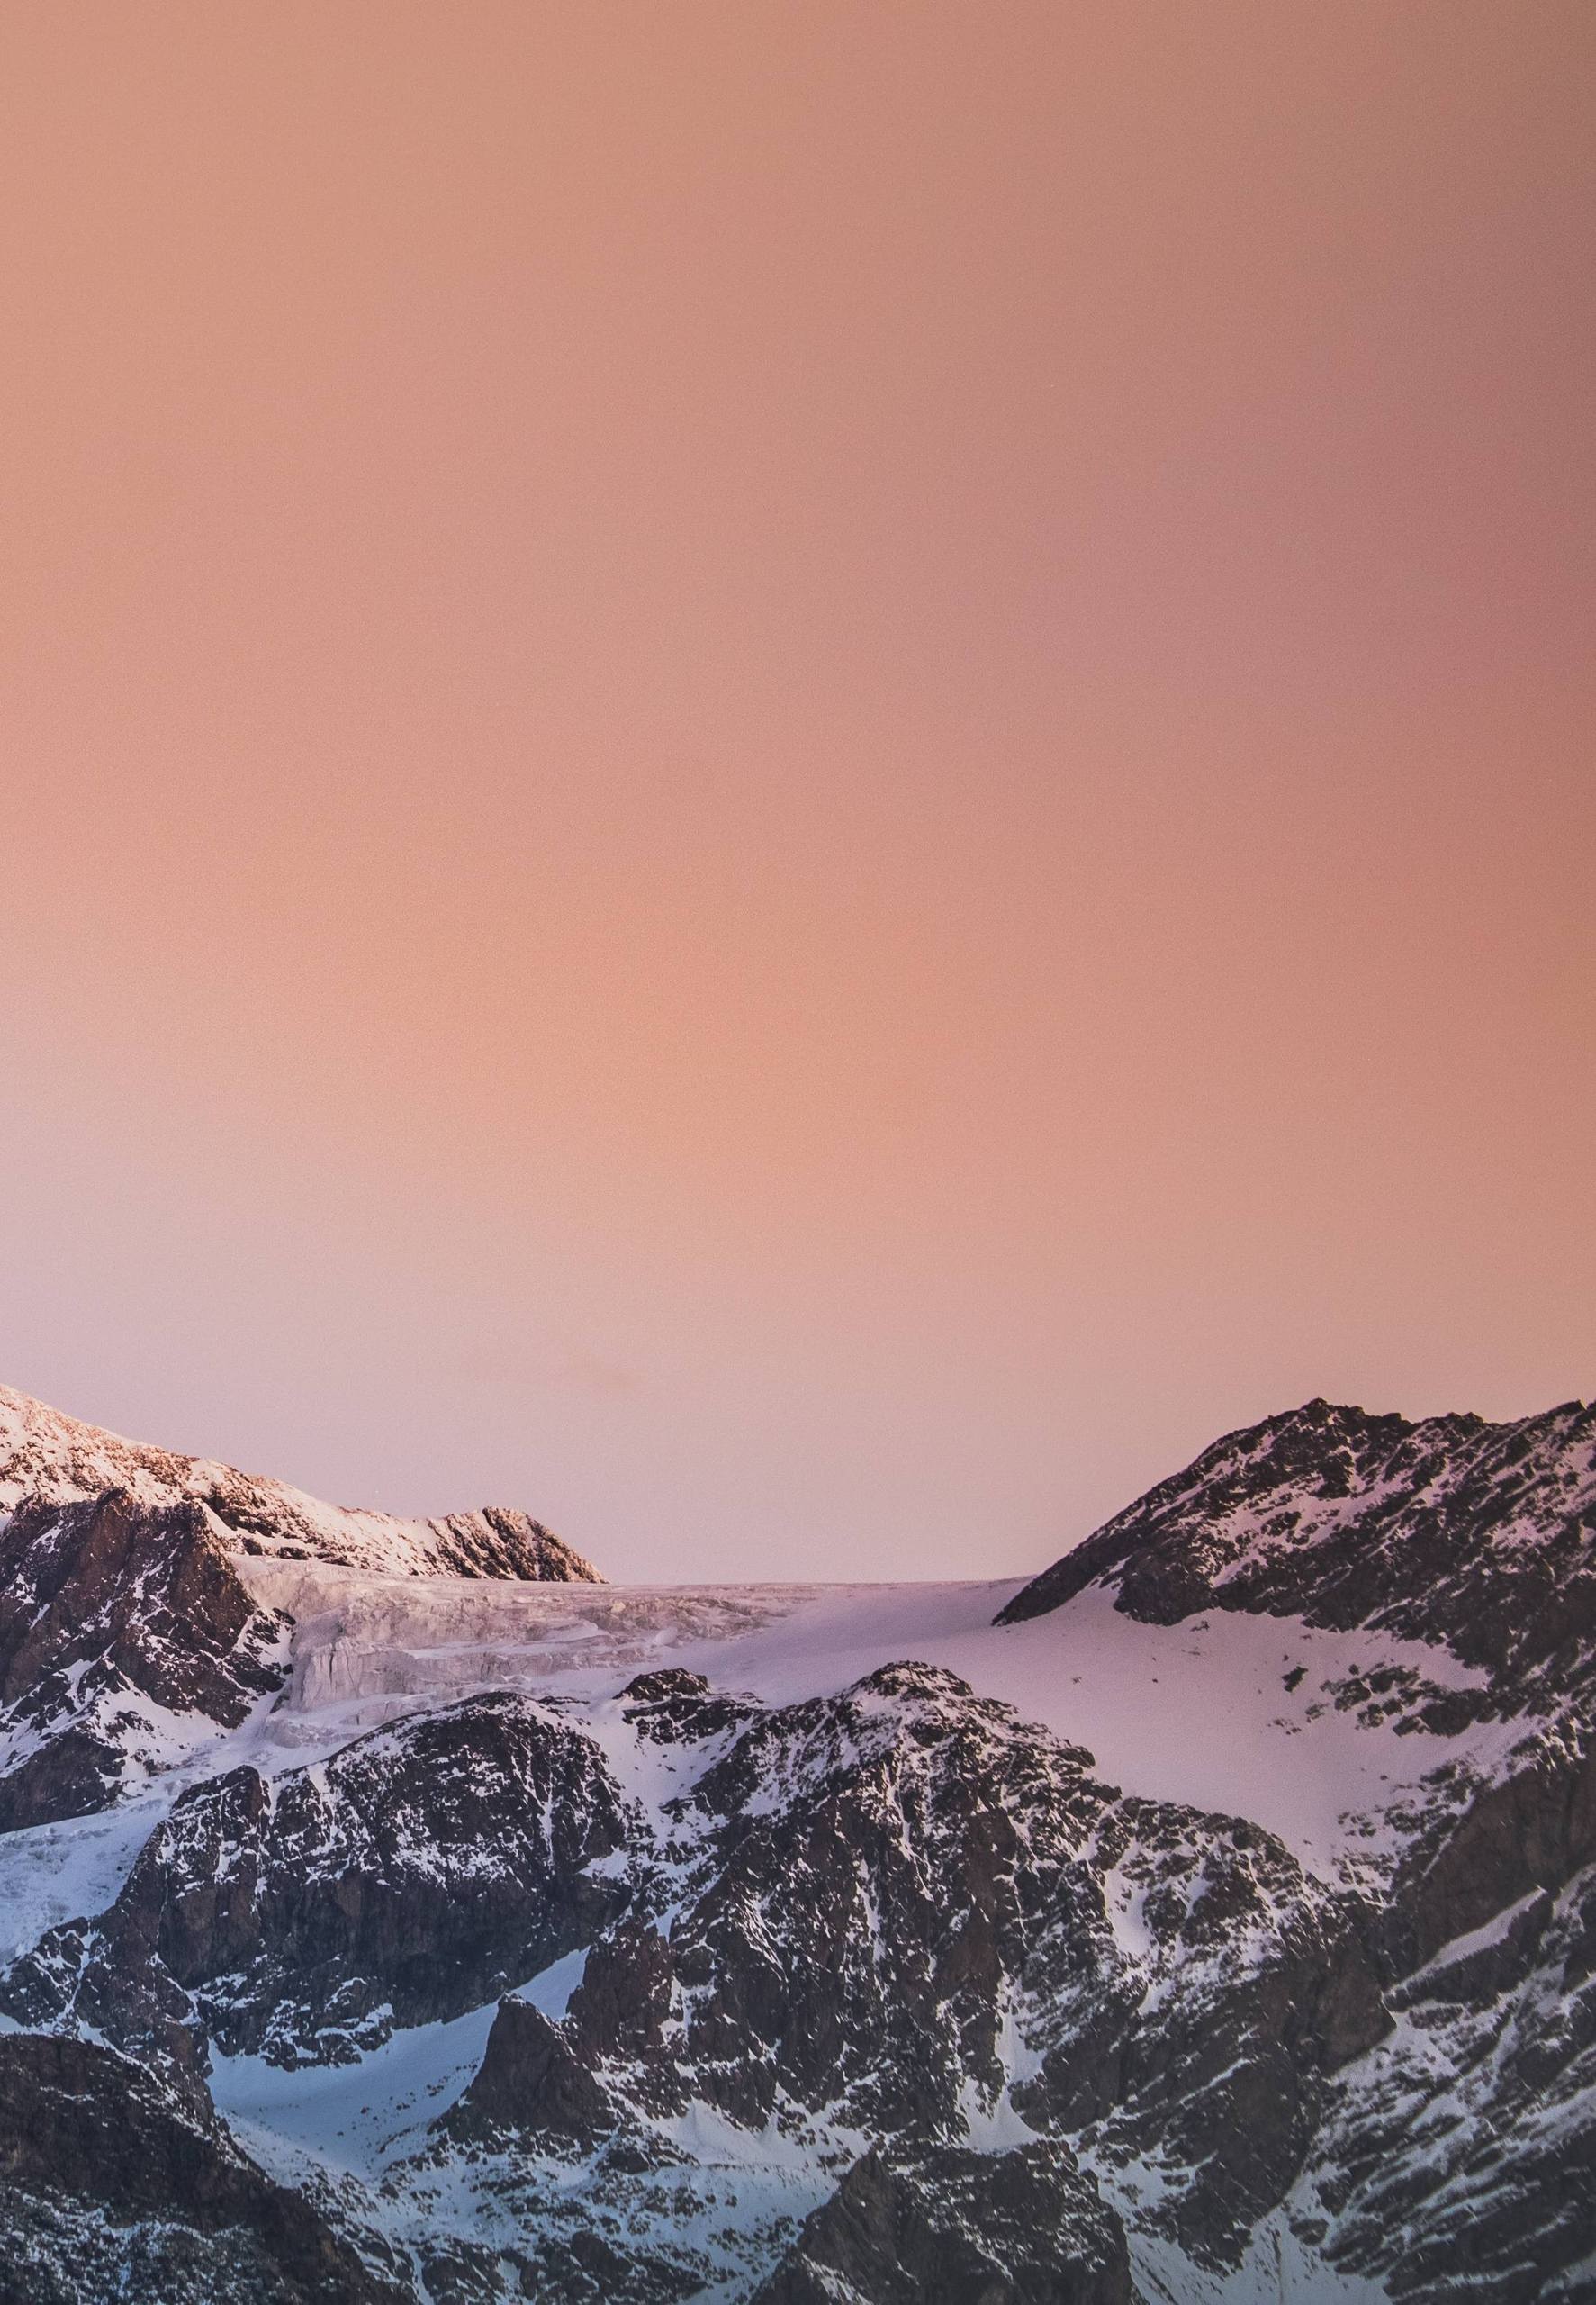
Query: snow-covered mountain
x=57, y=1460
x=1482, y=1537
x=1212, y=1918
x=127, y=1633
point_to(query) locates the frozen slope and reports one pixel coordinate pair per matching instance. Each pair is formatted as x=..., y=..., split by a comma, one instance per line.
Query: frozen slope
x=1199, y=1712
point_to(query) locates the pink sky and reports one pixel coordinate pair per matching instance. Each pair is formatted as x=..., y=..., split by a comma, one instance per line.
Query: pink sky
x=795, y=779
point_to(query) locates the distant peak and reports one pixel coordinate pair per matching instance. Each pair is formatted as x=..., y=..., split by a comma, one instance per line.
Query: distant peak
x=58, y=1459
x=1342, y=1517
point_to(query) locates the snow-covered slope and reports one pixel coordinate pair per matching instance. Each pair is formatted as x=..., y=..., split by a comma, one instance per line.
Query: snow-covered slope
x=1235, y=1713
x=774, y=1943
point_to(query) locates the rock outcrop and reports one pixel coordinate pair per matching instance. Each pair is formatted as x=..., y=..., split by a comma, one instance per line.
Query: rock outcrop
x=420, y=1873
x=127, y=1634
x=125, y=1637
x=1023, y=2228
x=112, y=2187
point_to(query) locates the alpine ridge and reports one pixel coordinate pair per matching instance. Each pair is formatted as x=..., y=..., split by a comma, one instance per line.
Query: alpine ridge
x=395, y=1912
x=127, y=1632
x=1482, y=1537
x=58, y=1460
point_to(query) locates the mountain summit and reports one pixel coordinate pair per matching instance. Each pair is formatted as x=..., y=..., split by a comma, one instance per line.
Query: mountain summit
x=1482, y=1537
x=130, y=1631
x=57, y=1460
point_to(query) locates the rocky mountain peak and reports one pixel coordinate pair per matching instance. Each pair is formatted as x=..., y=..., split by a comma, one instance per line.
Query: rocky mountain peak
x=126, y=1637
x=1476, y=1536
x=47, y=1455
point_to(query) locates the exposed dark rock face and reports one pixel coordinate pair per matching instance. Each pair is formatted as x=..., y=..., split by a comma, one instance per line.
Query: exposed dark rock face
x=113, y=1615
x=112, y=2187
x=532, y=2080
x=421, y=1871
x=70, y=1772
x=558, y=2259
x=1219, y=2063
x=1532, y=1828
x=882, y=1877
x=147, y=1593
x=1460, y=2157
x=671, y=1705
x=1482, y=1536
x=1459, y=2149
x=125, y=1630
x=1023, y=2228
x=622, y=2010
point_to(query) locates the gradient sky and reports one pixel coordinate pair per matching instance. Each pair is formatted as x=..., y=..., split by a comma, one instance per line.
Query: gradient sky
x=795, y=779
